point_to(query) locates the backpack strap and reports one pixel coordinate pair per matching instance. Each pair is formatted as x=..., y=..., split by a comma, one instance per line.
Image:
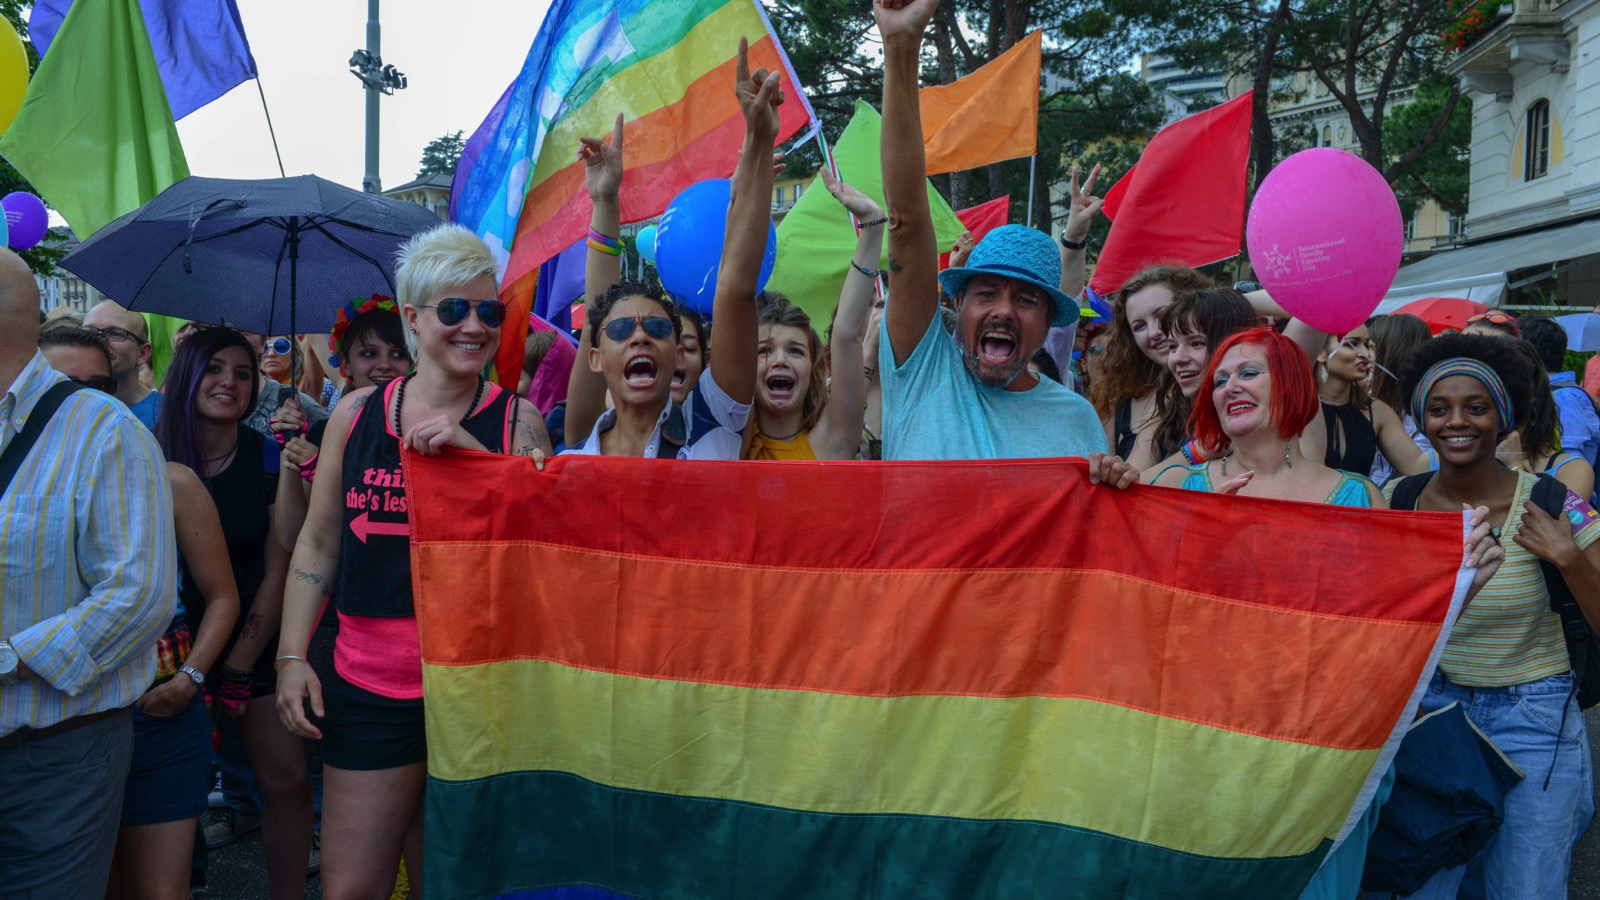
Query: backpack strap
x=1408, y=490
x=674, y=434
x=23, y=441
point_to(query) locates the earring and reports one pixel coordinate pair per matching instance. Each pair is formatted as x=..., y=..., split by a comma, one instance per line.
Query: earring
x=1287, y=459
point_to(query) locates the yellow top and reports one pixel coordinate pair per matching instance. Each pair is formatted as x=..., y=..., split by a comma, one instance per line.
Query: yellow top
x=764, y=447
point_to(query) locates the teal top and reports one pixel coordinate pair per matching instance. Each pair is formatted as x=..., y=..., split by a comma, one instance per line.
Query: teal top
x=1352, y=489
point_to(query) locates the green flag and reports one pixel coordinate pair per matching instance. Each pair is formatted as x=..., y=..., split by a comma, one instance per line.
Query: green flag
x=816, y=239
x=95, y=134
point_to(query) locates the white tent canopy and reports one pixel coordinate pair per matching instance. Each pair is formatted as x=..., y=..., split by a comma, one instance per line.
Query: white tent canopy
x=1478, y=272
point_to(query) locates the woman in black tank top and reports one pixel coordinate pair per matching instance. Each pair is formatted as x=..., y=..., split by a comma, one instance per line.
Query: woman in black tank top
x=1355, y=426
x=355, y=548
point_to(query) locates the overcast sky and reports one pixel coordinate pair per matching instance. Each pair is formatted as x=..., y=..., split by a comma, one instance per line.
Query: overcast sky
x=459, y=55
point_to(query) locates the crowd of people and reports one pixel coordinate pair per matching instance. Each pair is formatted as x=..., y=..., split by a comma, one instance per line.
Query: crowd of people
x=210, y=573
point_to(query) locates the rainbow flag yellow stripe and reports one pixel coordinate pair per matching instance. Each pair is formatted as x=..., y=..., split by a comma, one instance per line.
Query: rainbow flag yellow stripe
x=985, y=681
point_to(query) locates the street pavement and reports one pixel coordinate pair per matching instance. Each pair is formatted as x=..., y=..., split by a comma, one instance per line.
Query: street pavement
x=237, y=871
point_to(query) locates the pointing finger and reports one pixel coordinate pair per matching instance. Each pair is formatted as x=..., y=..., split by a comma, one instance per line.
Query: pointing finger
x=742, y=67
x=616, y=135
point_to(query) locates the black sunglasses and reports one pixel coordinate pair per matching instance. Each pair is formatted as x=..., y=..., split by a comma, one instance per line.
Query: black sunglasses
x=105, y=384
x=658, y=327
x=453, y=311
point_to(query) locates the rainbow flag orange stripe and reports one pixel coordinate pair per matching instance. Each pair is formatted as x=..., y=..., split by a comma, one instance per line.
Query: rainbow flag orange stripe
x=666, y=65
x=658, y=679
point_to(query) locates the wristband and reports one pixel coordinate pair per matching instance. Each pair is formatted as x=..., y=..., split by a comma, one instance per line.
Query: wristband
x=874, y=223
x=308, y=469
x=608, y=250
x=870, y=273
x=1073, y=245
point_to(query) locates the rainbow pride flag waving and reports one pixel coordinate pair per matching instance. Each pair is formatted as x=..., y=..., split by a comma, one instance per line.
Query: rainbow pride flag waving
x=666, y=65
x=662, y=679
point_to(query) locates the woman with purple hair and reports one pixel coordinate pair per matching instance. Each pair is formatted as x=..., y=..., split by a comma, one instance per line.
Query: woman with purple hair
x=211, y=386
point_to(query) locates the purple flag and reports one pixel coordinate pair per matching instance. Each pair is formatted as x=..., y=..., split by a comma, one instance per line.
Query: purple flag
x=199, y=45
x=560, y=285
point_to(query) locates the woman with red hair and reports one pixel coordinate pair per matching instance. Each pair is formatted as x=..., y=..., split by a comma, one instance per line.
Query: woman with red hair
x=1263, y=396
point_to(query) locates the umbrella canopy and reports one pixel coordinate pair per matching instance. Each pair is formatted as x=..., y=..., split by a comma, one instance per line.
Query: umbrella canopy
x=1443, y=313
x=1583, y=331
x=273, y=256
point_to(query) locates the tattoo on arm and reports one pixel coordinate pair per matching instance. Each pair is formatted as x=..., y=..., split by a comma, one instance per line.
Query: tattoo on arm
x=252, y=626
x=359, y=402
x=531, y=438
x=312, y=578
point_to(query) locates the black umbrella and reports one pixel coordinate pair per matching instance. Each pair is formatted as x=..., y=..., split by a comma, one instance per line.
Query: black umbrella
x=274, y=256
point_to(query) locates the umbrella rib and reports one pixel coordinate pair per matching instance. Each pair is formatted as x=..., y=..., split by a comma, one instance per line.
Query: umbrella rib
x=375, y=264
x=236, y=230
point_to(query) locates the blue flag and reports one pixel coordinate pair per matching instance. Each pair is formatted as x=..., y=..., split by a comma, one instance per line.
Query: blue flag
x=200, y=47
x=560, y=285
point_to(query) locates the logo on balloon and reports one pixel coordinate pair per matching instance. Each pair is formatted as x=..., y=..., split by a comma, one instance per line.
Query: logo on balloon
x=1325, y=238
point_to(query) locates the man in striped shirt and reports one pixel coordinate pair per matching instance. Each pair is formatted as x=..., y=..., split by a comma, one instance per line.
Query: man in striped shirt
x=88, y=566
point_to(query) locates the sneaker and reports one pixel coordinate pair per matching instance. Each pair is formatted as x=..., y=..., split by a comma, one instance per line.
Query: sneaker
x=315, y=865
x=225, y=825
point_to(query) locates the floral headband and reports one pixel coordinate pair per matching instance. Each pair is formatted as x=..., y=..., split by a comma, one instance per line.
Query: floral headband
x=353, y=310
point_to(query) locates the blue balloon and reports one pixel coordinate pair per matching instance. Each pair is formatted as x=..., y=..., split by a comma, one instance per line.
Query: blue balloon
x=689, y=244
x=646, y=242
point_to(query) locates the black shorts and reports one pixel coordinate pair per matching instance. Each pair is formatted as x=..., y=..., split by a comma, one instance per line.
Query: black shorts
x=364, y=731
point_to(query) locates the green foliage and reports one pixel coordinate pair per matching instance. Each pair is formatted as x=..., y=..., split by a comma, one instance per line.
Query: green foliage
x=1443, y=173
x=41, y=259
x=441, y=154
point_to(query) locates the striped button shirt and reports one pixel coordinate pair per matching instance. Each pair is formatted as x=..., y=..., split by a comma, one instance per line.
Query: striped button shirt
x=87, y=555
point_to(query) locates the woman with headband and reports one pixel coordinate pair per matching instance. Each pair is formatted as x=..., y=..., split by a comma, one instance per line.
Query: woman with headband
x=1506, y=661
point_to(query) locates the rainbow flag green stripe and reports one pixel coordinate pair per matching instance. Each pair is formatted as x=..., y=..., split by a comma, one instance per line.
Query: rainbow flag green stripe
x=642, y=844
x=736, y=743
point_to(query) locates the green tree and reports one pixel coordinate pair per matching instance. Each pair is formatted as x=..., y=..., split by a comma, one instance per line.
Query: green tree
x=43, y=257
x=441, y=154
x=1443, y=172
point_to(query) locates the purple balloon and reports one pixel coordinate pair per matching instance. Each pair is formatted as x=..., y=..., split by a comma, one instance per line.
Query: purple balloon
x=26, y=219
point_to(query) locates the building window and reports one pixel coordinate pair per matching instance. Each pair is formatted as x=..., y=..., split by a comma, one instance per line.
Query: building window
x=1537, y=155
x=1342, y=135
x=777, y=198
x=1456, y=225
x=1327, y=135
x=797, y=189
x=1411, y=229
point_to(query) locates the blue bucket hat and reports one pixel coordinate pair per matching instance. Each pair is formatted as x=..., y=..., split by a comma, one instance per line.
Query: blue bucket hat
x=1021, y=253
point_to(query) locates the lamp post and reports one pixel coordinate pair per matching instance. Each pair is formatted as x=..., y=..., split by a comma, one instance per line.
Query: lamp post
x=368, y=66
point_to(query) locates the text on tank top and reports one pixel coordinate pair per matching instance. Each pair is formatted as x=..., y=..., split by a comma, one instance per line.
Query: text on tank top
x=375, y=541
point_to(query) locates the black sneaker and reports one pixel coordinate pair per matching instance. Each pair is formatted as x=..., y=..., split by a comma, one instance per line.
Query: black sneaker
x=224, y=825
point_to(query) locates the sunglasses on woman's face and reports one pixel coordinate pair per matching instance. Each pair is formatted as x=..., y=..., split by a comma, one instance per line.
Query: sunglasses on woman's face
x=280, y=346
x=658, y=327
x=453, y=311
x=105, y=384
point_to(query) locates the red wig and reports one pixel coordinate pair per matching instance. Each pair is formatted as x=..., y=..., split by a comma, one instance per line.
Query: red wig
x=1293, y=404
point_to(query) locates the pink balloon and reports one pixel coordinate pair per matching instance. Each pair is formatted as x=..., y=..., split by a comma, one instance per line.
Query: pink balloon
x=1325, y=238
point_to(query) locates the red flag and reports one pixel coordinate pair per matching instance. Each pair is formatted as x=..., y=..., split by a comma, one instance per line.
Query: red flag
x=1118, y=192
x=1185, y=201
x=980, y=220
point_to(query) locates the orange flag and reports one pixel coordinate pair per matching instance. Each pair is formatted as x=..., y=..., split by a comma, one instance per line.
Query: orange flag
x=988, y=116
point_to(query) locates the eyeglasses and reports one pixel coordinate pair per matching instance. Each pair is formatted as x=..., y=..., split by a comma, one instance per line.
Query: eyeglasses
x=453, y=311
x=116, y=335
x=105, y=384
x=658, y=327
x=280, y=346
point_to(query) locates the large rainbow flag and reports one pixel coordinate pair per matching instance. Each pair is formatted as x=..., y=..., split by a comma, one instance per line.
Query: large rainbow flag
x=666, y=65
x=664, y=679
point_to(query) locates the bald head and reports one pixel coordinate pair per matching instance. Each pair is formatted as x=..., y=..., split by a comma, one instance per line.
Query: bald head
x=110, y=314
x=19, y=310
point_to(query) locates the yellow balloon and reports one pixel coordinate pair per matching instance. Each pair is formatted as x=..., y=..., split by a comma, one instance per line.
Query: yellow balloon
x=13, y=74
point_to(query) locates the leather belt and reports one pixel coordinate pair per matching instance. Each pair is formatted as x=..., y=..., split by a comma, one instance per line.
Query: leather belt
x=25, y=734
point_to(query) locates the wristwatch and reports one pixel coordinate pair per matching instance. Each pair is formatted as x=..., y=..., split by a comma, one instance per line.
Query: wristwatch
x=195, y=675
x=8, y=664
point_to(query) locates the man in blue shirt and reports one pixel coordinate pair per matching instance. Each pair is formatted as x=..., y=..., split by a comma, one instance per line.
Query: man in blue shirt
x=129, y=338
x=972, y=397
x=1580, y=423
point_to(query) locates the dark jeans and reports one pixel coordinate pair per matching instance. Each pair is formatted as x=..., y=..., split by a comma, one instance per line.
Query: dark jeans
x=60, y=807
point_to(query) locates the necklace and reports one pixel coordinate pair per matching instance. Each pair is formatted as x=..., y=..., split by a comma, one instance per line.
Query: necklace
x=789, y=437
x=400, y=401
x=1286, y=461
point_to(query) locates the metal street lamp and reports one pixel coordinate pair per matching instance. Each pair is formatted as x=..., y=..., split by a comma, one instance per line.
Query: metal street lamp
x=378, y=78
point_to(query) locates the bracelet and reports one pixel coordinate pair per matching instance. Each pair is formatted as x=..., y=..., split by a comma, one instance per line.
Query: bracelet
x=308, y=469
x=288, y=656
x=605, y=239
x=870, y=273
x=1073, y=245
x=874, y=223
x=604, y=248
x=229, y=673
x=1188, y=453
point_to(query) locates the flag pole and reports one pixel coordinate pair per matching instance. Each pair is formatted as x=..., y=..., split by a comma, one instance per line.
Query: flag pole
x=833, y=167
x=270, y=130
x=1032, y=167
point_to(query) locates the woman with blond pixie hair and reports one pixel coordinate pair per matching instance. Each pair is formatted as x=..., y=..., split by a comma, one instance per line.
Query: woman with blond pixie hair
x=370, y=711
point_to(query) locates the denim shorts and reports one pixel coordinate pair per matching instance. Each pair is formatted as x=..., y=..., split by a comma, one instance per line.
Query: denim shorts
x=171, y=771
x=1539, y=727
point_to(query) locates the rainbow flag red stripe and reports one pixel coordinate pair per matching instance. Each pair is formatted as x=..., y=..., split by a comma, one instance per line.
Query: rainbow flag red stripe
x=658, y=679
x=666, y=65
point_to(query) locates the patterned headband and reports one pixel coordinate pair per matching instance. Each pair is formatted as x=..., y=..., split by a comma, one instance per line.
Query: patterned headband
x=1461, y=365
